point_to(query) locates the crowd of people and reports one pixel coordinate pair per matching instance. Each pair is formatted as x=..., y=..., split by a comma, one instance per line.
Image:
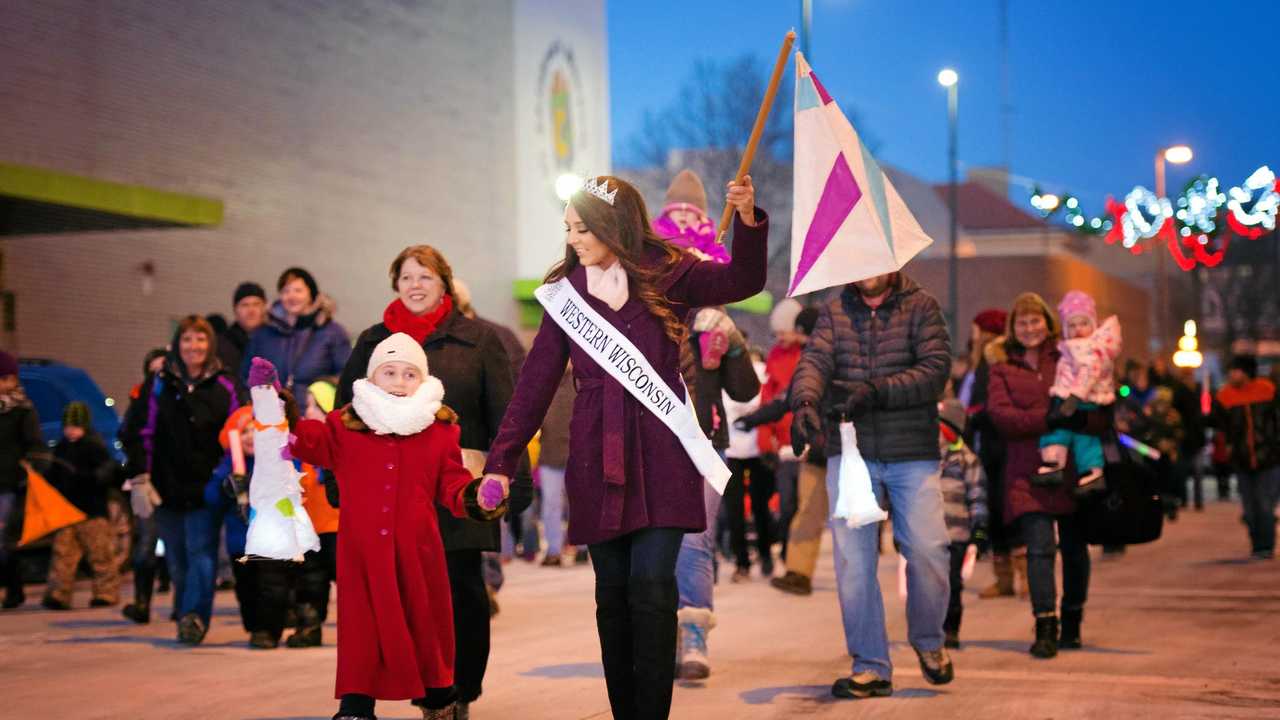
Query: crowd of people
x=432, y=433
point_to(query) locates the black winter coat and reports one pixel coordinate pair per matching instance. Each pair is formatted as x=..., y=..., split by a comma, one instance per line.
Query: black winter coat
x=736, y=376
x=901, y=347
x=176, y=437
x=20, y=440
x=84, y=473
x=470, y=361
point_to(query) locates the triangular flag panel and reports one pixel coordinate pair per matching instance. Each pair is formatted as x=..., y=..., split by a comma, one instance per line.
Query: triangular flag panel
x=46, y=510
x=848, y=222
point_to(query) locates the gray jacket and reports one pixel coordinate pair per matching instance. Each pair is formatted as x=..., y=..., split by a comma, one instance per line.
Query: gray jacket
x=902, y=348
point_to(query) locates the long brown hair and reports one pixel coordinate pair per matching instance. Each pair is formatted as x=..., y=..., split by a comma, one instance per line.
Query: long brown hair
x=624, y=228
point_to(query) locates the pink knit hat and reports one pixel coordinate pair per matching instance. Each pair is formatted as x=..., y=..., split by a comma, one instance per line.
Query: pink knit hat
x=1076, y=303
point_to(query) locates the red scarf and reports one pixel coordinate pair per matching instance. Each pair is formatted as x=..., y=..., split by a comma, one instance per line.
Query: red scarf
x=397, y=318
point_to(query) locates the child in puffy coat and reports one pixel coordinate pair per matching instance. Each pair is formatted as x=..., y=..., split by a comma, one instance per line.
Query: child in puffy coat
x=1085, y=380
x=964, y=500
x=395, y=453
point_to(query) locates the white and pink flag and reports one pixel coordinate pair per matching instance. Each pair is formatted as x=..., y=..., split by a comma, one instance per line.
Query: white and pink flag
x=848, y=223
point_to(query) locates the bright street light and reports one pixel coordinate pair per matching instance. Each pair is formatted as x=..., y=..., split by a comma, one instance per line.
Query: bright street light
x=948, y=77
x=1178, y=154
x=566, y=185
x=1049, y=203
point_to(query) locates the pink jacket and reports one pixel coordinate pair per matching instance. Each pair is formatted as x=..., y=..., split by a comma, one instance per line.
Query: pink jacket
x=1087, y=367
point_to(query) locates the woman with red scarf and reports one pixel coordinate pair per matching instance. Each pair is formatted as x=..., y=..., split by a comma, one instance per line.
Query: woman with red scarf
x=469, y=359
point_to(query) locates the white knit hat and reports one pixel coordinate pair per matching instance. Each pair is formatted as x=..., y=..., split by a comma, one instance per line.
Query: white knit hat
x=783, y=317
x=398, y=348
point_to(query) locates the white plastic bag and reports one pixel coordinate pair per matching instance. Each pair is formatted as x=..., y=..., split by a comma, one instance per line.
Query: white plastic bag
x=855, y=500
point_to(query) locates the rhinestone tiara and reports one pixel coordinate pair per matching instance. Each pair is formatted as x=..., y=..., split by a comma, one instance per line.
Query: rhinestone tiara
x=600, y=190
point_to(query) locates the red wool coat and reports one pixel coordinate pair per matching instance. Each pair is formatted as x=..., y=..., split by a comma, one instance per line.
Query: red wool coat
x=395, y=617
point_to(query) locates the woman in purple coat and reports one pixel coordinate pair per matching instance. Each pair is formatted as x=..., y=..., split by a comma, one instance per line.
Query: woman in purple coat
x=633, y=489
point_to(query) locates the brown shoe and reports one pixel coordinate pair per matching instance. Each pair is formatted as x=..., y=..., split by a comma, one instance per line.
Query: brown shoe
x=1003, y=586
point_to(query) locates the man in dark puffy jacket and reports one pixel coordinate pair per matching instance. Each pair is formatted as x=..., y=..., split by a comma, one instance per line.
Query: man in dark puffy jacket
x=880, y=357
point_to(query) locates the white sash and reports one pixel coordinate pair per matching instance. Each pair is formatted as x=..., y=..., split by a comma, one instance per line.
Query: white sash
x=611, y=350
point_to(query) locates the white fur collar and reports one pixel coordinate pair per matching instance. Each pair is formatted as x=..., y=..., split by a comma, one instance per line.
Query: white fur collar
x=387, y=414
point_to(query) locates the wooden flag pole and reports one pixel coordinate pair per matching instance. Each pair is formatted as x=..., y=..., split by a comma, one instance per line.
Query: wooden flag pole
x=745, y=166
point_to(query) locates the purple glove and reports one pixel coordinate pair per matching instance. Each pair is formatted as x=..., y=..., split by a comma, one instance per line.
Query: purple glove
x=262, y=372
x=490, y=494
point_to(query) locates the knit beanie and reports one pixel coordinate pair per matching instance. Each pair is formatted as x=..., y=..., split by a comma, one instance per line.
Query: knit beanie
x=1075, y=304
x=991, y=320
x=325, y=394
x=783, y=317
x=397, y=348
x=951, y=413
x=249, y=289
x=8, y=364
x=687, y=188
x=76, y=414
x=304, y=276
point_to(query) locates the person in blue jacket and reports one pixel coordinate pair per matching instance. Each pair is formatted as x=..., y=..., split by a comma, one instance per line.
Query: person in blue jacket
x=300, y=336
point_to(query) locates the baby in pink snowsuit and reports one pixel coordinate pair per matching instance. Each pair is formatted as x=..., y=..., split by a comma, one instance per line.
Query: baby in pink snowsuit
x=1085, y=380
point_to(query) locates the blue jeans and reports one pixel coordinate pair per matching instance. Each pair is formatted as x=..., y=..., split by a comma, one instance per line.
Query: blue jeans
x=696, y=564
x=920, y=529
x=1259, y=492
x=191, y=550
x=552, y=480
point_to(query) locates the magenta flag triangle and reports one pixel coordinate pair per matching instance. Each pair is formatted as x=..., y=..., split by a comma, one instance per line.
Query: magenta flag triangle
x=839, y=197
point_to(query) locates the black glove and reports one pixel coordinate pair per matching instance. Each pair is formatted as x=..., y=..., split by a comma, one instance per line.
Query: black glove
x=861, y=399
x=237, y=488
x=806, y=428
x=981, y=540
x=1057, y=419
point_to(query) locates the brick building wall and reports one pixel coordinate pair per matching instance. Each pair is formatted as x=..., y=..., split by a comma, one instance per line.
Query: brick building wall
x=336, y=132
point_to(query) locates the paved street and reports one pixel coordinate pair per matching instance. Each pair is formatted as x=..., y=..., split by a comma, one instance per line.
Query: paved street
x=1184, y=628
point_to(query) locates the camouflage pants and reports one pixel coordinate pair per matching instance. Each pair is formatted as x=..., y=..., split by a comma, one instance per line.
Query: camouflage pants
x=96, y=538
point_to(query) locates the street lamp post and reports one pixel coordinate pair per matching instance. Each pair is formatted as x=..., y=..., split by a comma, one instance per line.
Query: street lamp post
x=1178, y=155
x=950, y=80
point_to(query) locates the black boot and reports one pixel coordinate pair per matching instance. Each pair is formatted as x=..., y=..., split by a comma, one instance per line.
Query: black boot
x=951, y=627
x=613, y=623
x=1069, y=639
x=1046, y=644
x=309, y=629
x=653, y=637
x=139, y=610
x=14, y=594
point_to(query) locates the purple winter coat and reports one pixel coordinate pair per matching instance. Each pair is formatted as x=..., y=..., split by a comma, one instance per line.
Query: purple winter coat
x=626, y=470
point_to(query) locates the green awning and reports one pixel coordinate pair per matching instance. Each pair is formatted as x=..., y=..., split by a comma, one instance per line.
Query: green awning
x=36, y=201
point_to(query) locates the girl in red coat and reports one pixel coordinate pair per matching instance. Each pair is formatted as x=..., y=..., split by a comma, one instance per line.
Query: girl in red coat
x=395, y=452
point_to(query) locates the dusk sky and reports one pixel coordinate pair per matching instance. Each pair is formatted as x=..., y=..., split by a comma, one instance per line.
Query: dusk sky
x=1096, y=86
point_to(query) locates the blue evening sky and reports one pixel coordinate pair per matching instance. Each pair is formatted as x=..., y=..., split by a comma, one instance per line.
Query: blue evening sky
x=1096, y=86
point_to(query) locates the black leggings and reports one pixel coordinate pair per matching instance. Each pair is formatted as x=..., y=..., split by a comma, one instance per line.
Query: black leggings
x=262, y=590
x=470, y=622
x=319, y=570
x=1037, y=530
x=759, y=482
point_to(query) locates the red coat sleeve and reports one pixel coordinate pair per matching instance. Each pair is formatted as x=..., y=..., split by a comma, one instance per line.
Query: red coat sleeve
x=315, y=442
x=452, y=477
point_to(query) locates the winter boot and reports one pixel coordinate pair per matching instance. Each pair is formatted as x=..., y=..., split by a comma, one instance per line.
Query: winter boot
x=653, y=640
x=951, y=628
x=793, y=583
x=1069, y=638
x=695, y=623
x=1020, y=582
x=1046, y=644
x=309, y=629
x=613, y=623
x=14, y=595
x=1003, y=586
x=263, y=640
x=191, y=629
x=139, y=610
x=444, y=713
x=936, y=666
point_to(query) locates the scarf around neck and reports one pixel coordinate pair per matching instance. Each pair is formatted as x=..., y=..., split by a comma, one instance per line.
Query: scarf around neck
x=608, y=286
x=398, y=318
x=387, y=414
